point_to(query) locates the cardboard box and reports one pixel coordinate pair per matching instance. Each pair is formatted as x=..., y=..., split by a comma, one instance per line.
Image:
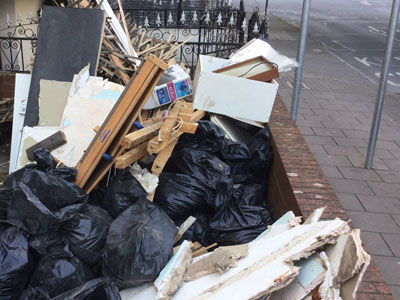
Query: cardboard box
x=230, y=95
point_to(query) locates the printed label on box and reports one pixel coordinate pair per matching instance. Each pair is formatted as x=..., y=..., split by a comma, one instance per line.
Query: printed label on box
x=163, y=96
x=171, y=90
x=182, y=88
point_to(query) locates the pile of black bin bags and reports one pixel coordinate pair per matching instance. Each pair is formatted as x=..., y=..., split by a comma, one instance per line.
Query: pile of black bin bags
x=57, y=242
x=220, y=182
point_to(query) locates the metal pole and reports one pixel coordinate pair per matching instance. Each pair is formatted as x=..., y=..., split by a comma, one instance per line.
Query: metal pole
x=300, y=58
x=382, y=84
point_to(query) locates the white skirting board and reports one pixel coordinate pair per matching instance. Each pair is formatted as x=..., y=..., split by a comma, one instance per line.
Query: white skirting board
x=22, y=83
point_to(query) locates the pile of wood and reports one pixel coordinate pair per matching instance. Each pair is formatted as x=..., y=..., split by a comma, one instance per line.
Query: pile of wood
x=6, y=109
x=128, y=134
x=119, y=67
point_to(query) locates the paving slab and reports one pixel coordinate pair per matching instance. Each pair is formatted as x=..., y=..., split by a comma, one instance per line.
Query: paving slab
x=385, y=189
x=390, y=268
x=359, y=174
x=375, y=243
x=373, y=222
x=350, y=186
x=350, y=202
x=380, y=204
x=393, y=240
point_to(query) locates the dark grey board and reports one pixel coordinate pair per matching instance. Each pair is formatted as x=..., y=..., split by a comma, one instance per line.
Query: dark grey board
x=69, y=39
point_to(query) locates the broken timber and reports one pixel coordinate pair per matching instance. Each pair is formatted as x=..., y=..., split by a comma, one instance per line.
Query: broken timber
x=118, y=123
x=52, y=142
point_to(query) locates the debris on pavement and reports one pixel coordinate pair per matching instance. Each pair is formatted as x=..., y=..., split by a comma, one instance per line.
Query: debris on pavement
x=125, y=186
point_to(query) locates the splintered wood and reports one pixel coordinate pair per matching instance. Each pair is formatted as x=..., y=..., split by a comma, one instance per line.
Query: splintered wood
x=117, y=66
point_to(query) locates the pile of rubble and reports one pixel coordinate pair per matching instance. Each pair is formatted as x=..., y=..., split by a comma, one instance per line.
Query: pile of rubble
x=139, y=184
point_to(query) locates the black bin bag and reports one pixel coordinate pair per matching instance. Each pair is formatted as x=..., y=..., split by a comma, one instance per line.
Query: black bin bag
x=123, y=191
x=5, y=197
x=86, y=233
x=239, y=221
x=181, y=196
x=139, y=244
x=40, y=219
x=208, y=137
x=205, y=167
x=45, y=163
x=102, y=288
x=60, y=271
x=15, y=260
x=261, y=156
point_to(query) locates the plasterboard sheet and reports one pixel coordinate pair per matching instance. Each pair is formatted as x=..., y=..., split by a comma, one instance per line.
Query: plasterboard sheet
x=82, y=114
x=22, y=82
x=53, y=97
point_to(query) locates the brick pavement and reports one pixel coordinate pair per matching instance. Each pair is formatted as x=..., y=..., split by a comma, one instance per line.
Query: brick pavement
x=335, y=114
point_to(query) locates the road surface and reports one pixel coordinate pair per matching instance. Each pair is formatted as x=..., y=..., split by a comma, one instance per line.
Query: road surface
x=354, y=30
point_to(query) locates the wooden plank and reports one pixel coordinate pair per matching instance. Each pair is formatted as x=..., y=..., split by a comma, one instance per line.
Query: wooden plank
x=188, y=127
x=115, y=150
x=55, y=52
x=115, y=121
x=170, y=121
x=52, y=142
x=198, y=115
x=162, y=157
x=155, y=146
x=131, y=156
x=203, y=250
x=185, y=117
x=137, y=137
x=187, y=110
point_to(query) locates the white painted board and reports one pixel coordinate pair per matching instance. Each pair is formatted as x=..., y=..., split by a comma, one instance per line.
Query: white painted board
x=22, y=84
x=232, y=96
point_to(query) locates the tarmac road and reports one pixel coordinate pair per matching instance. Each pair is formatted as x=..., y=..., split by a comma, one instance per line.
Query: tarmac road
x=354, y=30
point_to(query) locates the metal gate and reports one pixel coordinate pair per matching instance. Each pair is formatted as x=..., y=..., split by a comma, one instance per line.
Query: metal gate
x=17, y=47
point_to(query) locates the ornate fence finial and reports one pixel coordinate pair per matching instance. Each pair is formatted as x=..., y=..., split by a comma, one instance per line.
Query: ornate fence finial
x=183, y=18
x=255, y=28
x=158, y=20
x=195, y=19
x=219, y=19
x=244, y=25
x=30, y=17
x=170, y=19
x=207, y=19
x=146, y=23
x=231, y=20
x=19, y=18
x=8, y=21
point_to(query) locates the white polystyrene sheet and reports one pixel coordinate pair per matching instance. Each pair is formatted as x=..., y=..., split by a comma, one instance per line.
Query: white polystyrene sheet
x=22, y=83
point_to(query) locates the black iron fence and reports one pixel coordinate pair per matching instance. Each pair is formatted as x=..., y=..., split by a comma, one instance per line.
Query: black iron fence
x=17, y=47
x=216, y=32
